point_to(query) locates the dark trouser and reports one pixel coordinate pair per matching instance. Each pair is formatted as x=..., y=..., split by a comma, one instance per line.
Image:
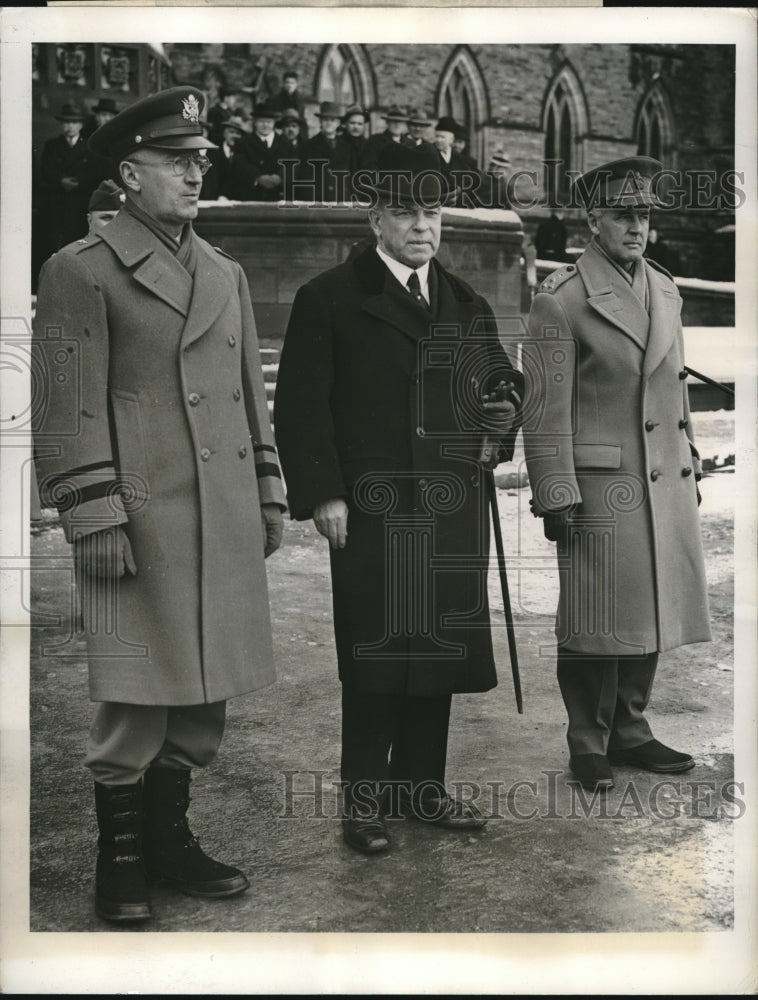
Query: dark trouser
x=395, y=739
x=605, y=697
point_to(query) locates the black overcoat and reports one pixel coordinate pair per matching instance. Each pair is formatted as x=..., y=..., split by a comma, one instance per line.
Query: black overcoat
x=378, y=402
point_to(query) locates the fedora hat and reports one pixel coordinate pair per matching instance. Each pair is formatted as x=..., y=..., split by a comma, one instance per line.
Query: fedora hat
x=625, y=183
x=354, y=109
x=233, y=121
x=106, y=104
x=395, y=114
x=290, y=115
x=169, y=119
x=264, y=110
x=447, y=124
x=417, y=117
x=410, y=174
x=330, y=109
x=71, y=113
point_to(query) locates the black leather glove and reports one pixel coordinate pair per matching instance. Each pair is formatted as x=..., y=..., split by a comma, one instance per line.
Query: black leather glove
x=555, y=523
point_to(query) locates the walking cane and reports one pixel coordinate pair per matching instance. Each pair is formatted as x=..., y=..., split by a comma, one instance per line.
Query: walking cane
x=504, y=587
x=709, y=381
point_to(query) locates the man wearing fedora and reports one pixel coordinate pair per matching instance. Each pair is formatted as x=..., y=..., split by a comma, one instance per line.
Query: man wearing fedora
x=102, y=112
x=154, y=442
x=613, y=470
x=289, y=96
x=292, y=129
x=68, y=173
x=397, y=126
x=386, y=389
x=265, y=149
x=463, y=178
x=326, y=166
x=419, y=124
x=234, y=171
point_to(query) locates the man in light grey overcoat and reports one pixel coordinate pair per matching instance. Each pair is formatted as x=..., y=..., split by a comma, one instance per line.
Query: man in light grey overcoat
x=155, y=444
x=614, y=470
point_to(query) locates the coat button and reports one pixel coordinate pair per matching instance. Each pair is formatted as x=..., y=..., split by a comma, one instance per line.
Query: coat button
x=205, y=454
x=236, y=395
x=232, y=341
x=420, y=431
x=193, y=399
x=683, y=374
x=242, y=451
x=654, y=475
x=423, y=484
x=687, y=471
x=683, y=424
x=650, y=424
x=475, y=480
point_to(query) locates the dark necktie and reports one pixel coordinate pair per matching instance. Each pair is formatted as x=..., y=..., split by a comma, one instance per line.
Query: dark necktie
x=414, y=287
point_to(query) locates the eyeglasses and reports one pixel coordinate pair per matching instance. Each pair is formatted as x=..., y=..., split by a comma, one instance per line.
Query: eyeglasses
x=181, y=163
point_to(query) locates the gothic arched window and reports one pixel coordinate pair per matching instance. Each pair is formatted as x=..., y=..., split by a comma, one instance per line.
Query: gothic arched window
x=654, y=131
x=564, y=123
x=462, y=94
x=344, y=76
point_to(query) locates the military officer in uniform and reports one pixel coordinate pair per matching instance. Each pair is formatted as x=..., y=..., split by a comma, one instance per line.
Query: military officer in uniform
x=613, y=470
x=379, y=423
x=154, y=443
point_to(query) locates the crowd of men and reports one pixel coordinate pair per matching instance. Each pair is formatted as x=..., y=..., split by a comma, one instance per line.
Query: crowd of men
x=265, y=153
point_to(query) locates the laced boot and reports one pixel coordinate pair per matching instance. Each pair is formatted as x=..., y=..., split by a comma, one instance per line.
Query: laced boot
x=172, y=852
x=121, y=888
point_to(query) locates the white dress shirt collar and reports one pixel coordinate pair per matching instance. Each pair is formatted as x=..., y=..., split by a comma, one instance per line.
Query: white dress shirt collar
x=402, y=272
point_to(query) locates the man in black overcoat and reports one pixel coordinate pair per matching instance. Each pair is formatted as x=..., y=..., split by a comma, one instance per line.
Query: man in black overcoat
x=327, y=163
x=265, y=148
x=69, y=172
x=392, y=376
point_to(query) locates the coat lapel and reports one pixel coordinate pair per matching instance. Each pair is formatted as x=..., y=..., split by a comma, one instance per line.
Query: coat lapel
x=390, y=303
x=611, y=296
x=209, y=296
x=387, y=300
x=154, y=266
x=665, y=307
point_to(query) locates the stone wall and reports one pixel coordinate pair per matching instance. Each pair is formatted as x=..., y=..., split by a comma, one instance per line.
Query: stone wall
x=282, y=248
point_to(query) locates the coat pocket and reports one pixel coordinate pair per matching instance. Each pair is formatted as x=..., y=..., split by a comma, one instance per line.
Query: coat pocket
x=132, y=454
x=597, y=456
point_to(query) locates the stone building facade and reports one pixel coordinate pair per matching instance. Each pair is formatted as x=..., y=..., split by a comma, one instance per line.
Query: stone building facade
x=573, y=105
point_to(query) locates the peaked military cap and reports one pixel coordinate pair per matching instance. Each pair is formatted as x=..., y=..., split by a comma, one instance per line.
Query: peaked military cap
x=169, y=119
x=624, y=183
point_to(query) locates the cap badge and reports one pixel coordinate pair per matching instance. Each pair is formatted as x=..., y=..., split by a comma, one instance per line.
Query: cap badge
x=191, y=109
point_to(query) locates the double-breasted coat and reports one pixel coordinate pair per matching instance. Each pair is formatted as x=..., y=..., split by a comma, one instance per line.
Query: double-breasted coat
x=153, y=416
x=378, y=402
x=607, y=426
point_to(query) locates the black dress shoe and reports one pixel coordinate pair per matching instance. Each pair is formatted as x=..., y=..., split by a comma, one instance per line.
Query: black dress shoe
x=366, y=834
x=653, y=756
x=449, y=813
x=592, y=771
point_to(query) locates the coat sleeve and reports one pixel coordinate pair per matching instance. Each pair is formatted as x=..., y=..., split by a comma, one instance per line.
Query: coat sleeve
x=302, y=408
x=500, y=369
x=549, y=357
x=266, y=464
x=74, y=451
x=697, y=465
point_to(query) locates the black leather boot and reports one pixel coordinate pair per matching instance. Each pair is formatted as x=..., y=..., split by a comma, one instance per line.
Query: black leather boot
x=121, y=888
x=172, y=852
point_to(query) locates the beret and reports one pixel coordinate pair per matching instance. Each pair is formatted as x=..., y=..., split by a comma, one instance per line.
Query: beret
x=169, y=119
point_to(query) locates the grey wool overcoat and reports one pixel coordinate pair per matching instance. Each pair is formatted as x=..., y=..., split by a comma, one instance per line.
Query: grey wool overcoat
x=379, y=402
x=607, y=427
x=153, y=415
